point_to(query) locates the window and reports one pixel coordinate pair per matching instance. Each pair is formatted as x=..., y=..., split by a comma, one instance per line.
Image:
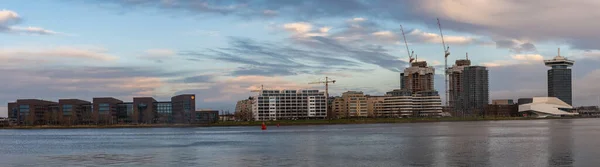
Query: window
x=67, y=109
x=24, y=109
x=103, y=108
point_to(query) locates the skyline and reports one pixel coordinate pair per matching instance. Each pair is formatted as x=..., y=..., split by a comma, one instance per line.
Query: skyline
x=220, y=50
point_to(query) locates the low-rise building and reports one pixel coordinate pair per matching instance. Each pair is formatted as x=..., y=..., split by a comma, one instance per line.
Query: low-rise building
x=542, y=107
x=243, y=109
x=205, y=117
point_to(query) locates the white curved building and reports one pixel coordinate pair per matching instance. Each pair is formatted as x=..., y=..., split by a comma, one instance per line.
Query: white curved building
x=546, y=107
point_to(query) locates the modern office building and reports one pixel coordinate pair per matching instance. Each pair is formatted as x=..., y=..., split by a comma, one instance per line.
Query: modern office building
x=183, y=106
x=75, y=112
x=205, y=116
x=559, y=78
x=34, y=112
x=474, y=95
x=103, y=110
x=289, y=104
x=455, y=82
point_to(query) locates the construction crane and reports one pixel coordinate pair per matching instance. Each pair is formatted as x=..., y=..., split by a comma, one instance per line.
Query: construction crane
x=410, y=58
x=446, y=54
x=326, y=82
x=258, y=90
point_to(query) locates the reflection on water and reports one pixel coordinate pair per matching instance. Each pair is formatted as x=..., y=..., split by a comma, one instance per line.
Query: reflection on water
x=569, y=142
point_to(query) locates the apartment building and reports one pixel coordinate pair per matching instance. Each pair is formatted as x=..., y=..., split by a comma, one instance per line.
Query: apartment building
x=243, y=109
x=289, y=104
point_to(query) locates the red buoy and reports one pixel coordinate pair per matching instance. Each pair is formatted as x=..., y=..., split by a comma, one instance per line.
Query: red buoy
x=278, y=125
x=264, y=127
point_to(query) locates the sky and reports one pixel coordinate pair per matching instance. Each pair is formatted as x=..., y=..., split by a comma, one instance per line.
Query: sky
x=221, y=50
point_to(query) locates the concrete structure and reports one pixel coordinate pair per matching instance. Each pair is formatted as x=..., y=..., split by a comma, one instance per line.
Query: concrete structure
x=243, y=109
x=502, y=102
x=559, y=78
x=426, y=104
x=289, y=104
x=546, y=107
x=474, y=94
x=418, y=77
x=105, y=110
x=403, y=103
x=455, y=81
x=356, y=103
x=339, y=109
x=375, y=104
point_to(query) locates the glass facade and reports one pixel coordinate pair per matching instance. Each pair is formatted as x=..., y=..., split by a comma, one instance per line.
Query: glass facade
x=67, y=109
x=164, y=108
x=103, y=108
x=559, y=84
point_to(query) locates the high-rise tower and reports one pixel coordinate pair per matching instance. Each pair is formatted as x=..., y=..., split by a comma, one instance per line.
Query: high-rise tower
x=559, y=78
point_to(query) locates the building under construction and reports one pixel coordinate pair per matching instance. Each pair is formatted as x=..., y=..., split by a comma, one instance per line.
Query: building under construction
x=455, y=83
x=418, y=77
x=468, y=88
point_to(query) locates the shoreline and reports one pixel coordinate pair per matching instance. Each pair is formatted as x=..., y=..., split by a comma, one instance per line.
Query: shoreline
x=288, y=123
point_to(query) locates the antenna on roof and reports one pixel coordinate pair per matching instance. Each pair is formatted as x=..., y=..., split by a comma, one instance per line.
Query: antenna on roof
x=558, y=51
x=467, y=55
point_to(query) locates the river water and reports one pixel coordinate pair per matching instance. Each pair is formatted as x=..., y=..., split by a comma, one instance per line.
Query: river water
x=568, y=142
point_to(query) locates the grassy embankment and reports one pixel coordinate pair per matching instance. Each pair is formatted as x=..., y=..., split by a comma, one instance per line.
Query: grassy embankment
x=281, y=122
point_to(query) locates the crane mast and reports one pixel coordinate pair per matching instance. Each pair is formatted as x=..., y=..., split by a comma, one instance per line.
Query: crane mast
x=446, y=54
x=326, y=82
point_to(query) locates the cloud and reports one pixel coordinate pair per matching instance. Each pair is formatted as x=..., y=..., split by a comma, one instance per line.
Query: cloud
x=25, y=56
x=157, y=55
x=516, y=46
x=270, y=59
x=10, y=18
x=270, y=13
x=299, y=27
x=517, y=59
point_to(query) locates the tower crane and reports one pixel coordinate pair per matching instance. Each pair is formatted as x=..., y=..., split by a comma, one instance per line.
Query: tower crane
x=410, y=58
x=446, y=54
x=326, y=82
x=258, y=90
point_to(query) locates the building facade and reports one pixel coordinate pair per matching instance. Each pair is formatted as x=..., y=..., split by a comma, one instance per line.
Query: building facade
x=289, y=104
x=418, y=77
x=243, y=109
x=75, y=112
x=34, y=112
x=559, y=78
x=183, y=106
x=474, y=95
x=455, y=81
x=105, y=110
x=102, y=110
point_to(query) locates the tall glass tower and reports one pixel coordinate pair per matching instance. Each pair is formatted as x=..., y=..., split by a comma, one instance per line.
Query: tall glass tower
x=559, y=78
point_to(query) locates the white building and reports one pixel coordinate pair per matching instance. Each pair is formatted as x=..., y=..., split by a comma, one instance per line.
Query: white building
x=403, y=103
x=289, y=104
x=542, y=107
